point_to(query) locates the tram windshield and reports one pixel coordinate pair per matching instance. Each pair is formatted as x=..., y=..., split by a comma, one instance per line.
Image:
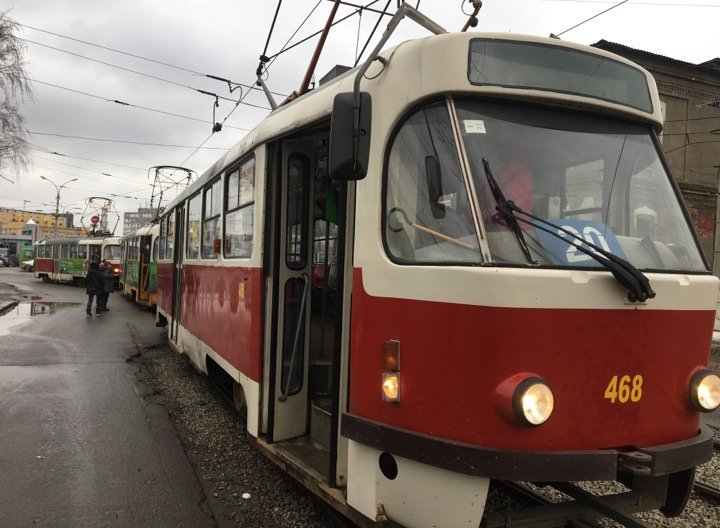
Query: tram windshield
x=599, y=178
x=112, y=252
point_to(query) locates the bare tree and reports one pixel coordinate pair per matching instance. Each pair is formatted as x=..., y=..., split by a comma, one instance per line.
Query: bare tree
x=14, y=88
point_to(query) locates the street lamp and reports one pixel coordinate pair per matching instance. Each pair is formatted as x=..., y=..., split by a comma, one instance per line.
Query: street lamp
x=57, y=199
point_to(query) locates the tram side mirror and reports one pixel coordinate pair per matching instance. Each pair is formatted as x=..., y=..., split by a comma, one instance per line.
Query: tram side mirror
x=433, y=177
x=349, y=157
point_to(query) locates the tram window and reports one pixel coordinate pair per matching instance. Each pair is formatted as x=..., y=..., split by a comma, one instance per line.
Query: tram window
x=428, y=217
x=41, y=252
x=239, y=210
x=193, y=225
x=296, y=215
x=82, y=251
x=64, y=251
x=211, y=221
x=156, y=245
x=73, y=251
x=170, y=238
x=601, y=178
x=111, y=252
x=161, y=238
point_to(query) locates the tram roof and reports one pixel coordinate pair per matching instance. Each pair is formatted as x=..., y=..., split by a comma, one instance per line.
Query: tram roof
x=146, y=230
x=60, y=240
x=415, y=57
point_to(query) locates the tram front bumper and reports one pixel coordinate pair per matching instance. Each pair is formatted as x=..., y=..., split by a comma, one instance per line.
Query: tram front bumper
x=538, y=466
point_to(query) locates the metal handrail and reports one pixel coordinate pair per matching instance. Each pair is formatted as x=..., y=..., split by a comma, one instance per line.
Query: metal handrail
x=284, y=392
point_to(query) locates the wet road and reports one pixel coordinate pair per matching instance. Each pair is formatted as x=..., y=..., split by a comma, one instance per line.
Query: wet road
x=81, y=445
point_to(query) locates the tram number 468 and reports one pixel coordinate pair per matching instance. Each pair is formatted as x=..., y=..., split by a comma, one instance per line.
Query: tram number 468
x=624, y=389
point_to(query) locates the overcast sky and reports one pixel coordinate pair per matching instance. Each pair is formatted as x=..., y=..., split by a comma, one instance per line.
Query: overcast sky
x=225, y=38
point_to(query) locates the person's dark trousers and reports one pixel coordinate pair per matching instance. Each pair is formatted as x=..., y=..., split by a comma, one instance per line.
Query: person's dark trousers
x=98, y=308
x=103, y=300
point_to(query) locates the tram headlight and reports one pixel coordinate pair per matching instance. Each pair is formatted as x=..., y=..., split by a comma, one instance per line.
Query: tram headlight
x=391, y=386
x=533, y=401
x=705, y=390
x=391, y=366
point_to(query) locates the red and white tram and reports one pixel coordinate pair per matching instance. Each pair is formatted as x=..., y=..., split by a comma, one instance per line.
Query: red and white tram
x=476, y=268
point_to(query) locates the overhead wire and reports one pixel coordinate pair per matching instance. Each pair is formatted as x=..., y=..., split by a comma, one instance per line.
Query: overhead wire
x=293, y=35
x=669, y=4
x=365, y=7
x=318, y=32
x=106, y=140
x=372, y=33
x=272, y=27
x=141, y=57
x=154, y=77
x=284, y=49
x=108, y=175
x=124, y=103
x=272, y=60
x=86, y=159
x=592, y=17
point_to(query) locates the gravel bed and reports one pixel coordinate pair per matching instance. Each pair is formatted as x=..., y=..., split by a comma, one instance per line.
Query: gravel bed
x=699, y=513
x=242, y=487
x=245, y=489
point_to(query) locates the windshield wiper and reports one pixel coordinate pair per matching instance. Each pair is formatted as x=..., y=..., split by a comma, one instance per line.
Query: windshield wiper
x=636, y=283
x=511, y=220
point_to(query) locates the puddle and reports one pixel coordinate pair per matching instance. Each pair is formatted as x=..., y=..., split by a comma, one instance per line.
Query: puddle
x=23, y=312
x=27, y=297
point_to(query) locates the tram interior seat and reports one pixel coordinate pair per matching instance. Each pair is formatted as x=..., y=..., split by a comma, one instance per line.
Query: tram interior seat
x=645, y=253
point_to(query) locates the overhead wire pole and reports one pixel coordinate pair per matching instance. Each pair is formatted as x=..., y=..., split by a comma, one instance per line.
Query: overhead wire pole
x=57, y=199
x=318, y=49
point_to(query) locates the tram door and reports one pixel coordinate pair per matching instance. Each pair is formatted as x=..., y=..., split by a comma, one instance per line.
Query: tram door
x=143, y=293
x=56, y=262
x=304, y=334
x=179, y=246
x=294, y=271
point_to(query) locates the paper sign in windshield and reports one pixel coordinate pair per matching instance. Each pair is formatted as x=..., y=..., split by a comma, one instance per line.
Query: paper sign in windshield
x=474, y=126
x=565, y=250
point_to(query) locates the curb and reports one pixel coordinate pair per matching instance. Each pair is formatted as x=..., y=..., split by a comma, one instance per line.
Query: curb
x=7, y=307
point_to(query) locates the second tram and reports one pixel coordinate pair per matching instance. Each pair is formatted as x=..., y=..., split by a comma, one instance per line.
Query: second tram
x=139, y=279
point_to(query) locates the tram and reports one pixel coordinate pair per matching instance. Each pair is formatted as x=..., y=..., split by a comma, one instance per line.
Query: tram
x=68, y=259
x=139, y=278
x=111, y=251
x=464, y=260
x=59, y=260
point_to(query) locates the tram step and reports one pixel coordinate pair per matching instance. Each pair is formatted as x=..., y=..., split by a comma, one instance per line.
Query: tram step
x=320, y=423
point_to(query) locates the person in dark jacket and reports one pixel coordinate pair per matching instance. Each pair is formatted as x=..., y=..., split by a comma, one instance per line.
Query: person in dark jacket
x=94, y=287
x=109, y=277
